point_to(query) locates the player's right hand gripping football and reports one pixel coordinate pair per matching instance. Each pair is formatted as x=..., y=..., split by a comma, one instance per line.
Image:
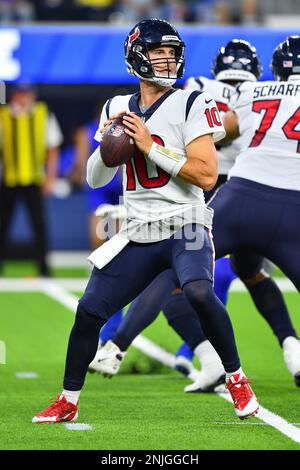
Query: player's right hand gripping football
x=109, y=121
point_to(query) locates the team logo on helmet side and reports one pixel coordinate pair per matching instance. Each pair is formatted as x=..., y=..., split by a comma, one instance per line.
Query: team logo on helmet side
x=131, y=38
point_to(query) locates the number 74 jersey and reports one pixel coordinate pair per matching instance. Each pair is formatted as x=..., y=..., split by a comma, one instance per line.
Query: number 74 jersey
x=269, y=123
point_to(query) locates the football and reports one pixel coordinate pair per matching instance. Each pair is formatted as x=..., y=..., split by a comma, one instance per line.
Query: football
x=116, y=146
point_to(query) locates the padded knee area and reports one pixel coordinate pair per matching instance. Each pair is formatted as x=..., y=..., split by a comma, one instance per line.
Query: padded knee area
x=85, y=321
x=246, y=265
x=84, y=309
x=199, y=292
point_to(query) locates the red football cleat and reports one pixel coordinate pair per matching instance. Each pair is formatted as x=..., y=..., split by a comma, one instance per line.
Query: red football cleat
x=245, y=402
x=60, y=410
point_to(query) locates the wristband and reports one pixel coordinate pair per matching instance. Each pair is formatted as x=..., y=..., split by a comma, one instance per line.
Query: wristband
x=168, y=160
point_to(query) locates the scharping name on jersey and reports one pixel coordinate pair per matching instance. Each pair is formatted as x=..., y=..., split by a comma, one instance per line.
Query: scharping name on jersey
x=150, y=194
x=269, y=122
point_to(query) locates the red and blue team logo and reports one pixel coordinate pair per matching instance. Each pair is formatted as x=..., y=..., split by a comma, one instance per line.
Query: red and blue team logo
x=116, y=131
x=132, y=37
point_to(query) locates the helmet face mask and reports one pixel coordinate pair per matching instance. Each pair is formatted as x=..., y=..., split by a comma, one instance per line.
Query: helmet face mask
x=146, y=36
x=286, y=59
x=237, y=61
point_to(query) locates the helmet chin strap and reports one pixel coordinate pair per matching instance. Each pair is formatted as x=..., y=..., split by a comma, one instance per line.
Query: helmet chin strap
x=161, y=81
x=165, y=82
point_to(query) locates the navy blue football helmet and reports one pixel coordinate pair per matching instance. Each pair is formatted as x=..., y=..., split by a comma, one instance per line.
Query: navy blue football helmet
x=146, y=35
x=237, y=61
x=286, y=58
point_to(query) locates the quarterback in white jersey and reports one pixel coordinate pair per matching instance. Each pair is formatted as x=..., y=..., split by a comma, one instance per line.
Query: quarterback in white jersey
x=184, y=157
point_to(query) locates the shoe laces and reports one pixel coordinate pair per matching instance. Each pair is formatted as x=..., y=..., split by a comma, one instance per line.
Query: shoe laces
x=240, y=391
x=56, y=406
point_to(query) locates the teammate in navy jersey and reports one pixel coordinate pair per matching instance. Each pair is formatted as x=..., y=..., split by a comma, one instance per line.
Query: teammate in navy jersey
x=168, y=224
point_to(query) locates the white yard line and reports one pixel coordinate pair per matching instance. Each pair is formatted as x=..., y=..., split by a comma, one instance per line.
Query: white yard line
x=153, y=350
x=36, y=284
x=243, y=423
x=27, y=375
x=69, y=259
x=78, y=427
x=273, y=420
x=57, y=291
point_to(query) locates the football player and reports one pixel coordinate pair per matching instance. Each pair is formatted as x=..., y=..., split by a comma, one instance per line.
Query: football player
x=168, y=224
x=234, y=63
x=258, y=208
x=264, y=291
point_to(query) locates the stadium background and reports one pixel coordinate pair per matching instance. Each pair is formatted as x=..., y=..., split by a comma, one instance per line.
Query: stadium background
x=73, y=52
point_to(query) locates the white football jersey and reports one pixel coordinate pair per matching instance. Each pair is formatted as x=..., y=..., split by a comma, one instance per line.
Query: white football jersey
x=221, y=92
x=269, y=122
x=153, y=197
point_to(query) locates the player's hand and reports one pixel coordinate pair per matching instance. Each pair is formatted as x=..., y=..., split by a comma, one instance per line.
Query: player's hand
x=110, y=120
x=47, y=187
x=136, y=129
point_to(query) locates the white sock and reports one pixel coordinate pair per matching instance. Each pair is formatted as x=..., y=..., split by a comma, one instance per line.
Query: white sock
x=290, y=341
x=72, y=396
x=229, y=374
x=206, y=354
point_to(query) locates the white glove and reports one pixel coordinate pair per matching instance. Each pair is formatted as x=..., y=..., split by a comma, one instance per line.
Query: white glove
x=114, y=211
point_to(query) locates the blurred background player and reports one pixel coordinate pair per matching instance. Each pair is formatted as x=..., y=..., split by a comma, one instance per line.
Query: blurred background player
x=30, y=140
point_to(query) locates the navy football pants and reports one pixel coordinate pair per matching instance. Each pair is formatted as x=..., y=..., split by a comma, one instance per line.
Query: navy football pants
x=128, y=274
x=261, y=219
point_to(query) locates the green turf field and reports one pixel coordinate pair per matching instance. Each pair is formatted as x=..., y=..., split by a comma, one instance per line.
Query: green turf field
x=145, y=410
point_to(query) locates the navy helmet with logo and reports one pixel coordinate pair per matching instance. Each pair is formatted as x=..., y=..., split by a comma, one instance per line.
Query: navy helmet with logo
x=237, y=61
x=149, y=34
x=286, y=58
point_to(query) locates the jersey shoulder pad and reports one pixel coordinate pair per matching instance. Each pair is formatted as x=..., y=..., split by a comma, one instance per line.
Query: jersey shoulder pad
x=117, y=104
x=242, y=94
x=195, y=83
